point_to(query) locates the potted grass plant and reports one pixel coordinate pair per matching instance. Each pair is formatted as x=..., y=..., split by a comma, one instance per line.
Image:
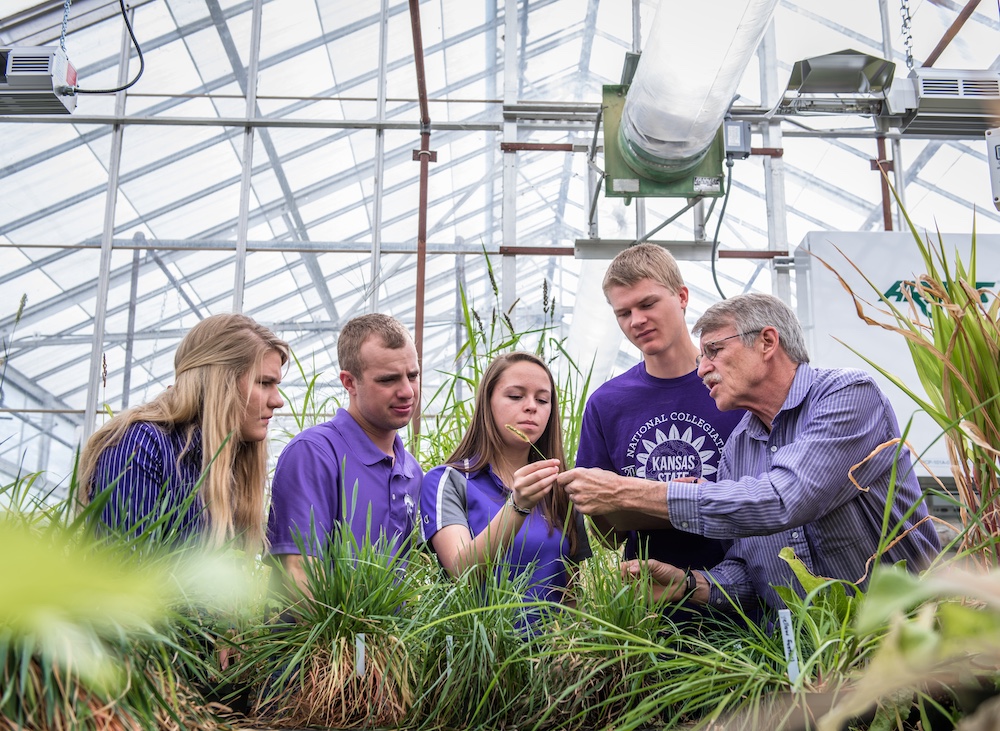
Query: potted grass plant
x=335, y=657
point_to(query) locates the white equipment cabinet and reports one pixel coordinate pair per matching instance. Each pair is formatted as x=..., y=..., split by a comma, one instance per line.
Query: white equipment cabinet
x=827, y=312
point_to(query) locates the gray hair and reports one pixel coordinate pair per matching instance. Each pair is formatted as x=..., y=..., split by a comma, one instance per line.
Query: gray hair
x=751, y=313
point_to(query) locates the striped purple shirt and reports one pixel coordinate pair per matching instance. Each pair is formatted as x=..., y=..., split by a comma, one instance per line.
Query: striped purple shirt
x=790, y=487
x=148, y=480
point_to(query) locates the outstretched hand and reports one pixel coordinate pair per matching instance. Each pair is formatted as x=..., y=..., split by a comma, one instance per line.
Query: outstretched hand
x=593, y=491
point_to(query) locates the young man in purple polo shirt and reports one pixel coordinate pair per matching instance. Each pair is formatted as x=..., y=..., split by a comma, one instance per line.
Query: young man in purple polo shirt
x=655, y=421
x=353, y=466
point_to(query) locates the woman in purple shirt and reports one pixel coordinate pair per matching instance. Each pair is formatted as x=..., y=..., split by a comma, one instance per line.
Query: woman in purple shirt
x=197, y=454
x=497, y=497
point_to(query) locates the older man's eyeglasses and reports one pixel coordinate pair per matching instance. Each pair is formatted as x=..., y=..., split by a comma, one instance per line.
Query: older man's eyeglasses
x=711, y=349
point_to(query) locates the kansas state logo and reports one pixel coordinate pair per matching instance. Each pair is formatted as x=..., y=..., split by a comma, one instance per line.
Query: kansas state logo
x=671, y=455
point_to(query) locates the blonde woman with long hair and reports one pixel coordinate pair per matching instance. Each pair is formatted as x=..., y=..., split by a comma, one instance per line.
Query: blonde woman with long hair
x=207, y=433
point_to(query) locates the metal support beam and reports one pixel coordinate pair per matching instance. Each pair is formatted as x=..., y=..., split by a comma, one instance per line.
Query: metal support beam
x=899, y=178
x=425, y=155
x=774, y=166
x=512, y=74
x=104, y=269
x=380, y=106
x=953, y=29
x=884, y=165
x=177, y=285
x=133, y=293
x=246, y=176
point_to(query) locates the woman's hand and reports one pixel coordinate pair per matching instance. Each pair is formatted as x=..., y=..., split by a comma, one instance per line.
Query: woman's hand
x=533, y=482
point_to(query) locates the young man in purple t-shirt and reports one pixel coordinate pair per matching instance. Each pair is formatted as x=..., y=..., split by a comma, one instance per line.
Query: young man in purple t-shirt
x=655, y=421
x=353, y=466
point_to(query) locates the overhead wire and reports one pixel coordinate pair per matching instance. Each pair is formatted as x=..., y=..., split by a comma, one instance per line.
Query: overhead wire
x=718, y=225
x=135, y=43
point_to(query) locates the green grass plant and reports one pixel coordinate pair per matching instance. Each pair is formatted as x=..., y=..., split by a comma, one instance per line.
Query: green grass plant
x=94, y=632
x=311, y=408
x=951, y=327
x=305, y=664
x=475, y=646
x=919, y=641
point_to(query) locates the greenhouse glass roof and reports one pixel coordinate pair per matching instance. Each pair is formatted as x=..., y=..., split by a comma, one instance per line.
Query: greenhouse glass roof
x=265, y=160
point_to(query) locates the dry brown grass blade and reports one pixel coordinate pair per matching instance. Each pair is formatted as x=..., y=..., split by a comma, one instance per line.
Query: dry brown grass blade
x=914, y=337
x=332, y=695
x=878, y=450
x=975, y=434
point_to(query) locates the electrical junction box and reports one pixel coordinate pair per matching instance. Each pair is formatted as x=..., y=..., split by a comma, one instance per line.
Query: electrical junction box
x=993, y=160
x=833, y=330
x=36, y=80
x=737, y=139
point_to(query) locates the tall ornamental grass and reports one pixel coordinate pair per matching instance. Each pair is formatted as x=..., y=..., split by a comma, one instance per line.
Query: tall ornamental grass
x=951, y=327
x=448, y=413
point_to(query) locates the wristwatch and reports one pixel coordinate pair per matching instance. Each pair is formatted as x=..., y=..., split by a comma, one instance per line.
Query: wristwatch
x=690, y=581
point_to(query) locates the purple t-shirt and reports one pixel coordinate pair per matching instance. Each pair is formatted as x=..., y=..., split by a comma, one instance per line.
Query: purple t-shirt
x=333, y=473
x=148, y=481
x=452, y=497
x=658, y=429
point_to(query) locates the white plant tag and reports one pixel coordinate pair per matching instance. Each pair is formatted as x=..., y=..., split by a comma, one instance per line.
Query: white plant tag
x=359, y=654
x=788, y=641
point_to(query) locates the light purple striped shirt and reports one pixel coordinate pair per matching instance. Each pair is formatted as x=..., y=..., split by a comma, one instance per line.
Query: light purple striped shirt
x=790, y=487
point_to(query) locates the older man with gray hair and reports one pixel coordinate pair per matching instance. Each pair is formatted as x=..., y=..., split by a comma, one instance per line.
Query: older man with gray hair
x=785, y=478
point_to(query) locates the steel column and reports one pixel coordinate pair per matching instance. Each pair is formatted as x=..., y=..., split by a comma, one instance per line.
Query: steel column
x=511, y=76
x=133, y=296
x=425, y=155
x=246, y=179
x=383, y=63
x=774, y=167
x=107, y=239
x=899, y=179
x=639, y=203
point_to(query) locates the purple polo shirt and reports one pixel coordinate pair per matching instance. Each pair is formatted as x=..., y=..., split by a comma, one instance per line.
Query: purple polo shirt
x=333, y=473
x=453, y=497
x=658, y=429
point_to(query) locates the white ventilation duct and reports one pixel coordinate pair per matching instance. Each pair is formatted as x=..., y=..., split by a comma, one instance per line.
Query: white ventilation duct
x=687, y=76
